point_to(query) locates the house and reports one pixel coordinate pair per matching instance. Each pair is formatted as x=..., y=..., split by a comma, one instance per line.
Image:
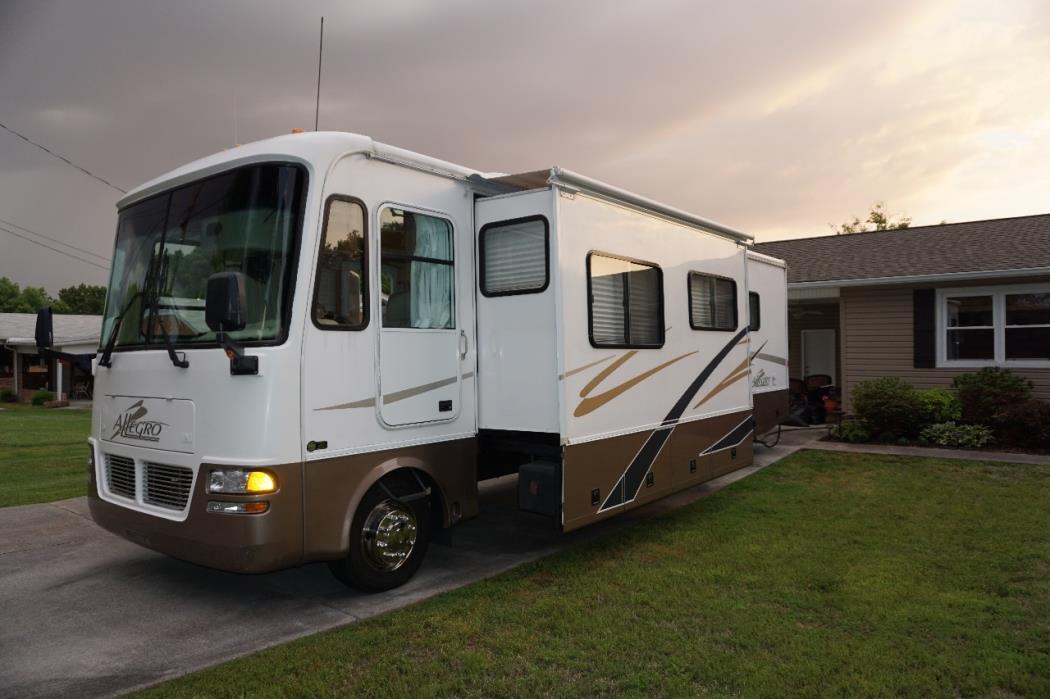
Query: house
x=25, y=372
x=925, y=303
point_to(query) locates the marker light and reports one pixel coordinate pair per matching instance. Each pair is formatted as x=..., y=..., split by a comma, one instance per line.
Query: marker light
x=239, y=481
x=238, y=508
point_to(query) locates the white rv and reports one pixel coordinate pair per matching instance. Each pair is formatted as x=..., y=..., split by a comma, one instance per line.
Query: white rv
x=314, y=346
x=767, y=314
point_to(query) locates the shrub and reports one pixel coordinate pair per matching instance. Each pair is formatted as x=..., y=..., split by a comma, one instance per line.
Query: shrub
x=950, y=434
x=41, y=397
x=8, y=396
x=985, y=395
x=1025, y=425
x=888, y=407
x=938, y=405
x=851, y=432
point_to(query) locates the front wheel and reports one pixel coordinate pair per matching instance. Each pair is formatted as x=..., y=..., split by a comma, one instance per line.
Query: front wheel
x=388, y=540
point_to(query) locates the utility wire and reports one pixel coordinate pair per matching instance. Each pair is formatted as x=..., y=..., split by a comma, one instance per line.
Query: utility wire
x=67, y=161
x=60, y=252
x=54, y=240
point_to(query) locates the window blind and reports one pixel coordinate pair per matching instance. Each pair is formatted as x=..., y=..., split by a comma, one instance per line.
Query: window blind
x=514, y=257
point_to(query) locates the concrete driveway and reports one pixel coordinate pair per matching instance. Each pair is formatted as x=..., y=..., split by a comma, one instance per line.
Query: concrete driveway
x=85, y=613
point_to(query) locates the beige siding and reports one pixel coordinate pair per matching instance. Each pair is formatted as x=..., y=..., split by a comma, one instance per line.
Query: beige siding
x=877, y=340
x=810, y=316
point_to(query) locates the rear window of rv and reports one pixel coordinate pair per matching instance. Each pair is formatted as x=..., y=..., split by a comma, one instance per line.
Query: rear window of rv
x=626, y=302
x=712, y=302
x=514, y=256
x=754, y=307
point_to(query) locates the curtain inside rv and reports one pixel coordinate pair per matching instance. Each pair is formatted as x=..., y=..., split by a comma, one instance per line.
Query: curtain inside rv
x=417, y=270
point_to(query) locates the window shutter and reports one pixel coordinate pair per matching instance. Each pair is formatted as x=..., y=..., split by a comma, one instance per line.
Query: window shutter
x=515, y=257
x=925, y=328
x=607, y=311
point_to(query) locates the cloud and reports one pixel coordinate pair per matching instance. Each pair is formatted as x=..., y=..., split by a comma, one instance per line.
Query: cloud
x=776, y=118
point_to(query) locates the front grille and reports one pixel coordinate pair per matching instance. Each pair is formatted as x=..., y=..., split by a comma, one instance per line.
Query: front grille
x=166, y=486
x=120, y=475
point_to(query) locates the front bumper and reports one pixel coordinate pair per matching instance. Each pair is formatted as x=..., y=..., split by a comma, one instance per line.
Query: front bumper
x=239, y=543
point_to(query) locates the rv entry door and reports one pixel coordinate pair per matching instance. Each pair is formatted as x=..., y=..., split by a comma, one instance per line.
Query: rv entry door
x=421, y=342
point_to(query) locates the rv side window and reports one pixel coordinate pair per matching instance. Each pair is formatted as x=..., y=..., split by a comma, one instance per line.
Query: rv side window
x=513, y=256
x=712, y=302
x=754, y=307
x=341, y=288
x=626, y=302
x=417, y=270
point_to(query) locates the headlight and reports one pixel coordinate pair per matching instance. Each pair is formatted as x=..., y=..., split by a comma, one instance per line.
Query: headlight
x=239, y=481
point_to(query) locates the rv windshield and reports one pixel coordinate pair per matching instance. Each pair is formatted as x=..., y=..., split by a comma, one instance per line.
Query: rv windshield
x=246, y=220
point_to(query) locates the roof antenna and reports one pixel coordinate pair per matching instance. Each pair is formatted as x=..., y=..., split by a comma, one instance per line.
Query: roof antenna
x=320, y=53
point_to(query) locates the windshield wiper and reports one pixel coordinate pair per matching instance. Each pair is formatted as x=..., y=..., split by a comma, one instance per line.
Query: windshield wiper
x=107, y=351
x=178, y=361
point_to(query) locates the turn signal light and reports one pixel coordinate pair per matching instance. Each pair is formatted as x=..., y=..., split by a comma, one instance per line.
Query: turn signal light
x=261, y=482
x=239, y=481
x=238, y=508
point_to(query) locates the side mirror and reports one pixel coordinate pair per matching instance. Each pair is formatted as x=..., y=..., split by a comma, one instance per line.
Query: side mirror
x=224, y=306
x=45, y=334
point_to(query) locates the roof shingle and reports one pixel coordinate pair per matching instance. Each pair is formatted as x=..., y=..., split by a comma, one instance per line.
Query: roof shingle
x=974, y=246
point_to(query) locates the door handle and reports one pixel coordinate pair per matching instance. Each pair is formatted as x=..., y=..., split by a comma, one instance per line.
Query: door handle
x=462, y=344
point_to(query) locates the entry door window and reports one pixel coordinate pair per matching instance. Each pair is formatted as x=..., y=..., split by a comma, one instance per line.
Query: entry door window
x=417, y=270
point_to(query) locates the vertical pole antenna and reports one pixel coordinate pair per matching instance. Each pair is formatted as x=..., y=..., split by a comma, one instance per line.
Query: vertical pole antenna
x=320, y=53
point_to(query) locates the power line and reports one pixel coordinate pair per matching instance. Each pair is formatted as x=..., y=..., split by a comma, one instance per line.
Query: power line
x=60, y=252
x=54, y=240
x=67, y=161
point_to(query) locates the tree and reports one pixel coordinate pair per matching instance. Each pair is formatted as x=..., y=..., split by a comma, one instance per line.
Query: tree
x=82, y=299
x=877, y=220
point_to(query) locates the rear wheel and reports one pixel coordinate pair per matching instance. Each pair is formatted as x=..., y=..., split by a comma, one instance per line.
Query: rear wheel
x=388, y=541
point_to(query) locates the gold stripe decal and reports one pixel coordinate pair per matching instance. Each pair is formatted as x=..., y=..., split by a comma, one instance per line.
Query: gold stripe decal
x=738, y=372
x=773, y=358
x=592, y=403
x=398, y=395
x=585, y=367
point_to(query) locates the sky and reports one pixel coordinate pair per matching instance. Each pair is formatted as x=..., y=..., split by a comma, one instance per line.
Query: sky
x=776, y=118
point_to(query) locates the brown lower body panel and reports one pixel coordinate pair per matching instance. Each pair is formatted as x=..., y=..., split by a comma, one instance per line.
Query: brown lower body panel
x=243, y=543
x=771, y=408
x=287, y=535
x=693, y=453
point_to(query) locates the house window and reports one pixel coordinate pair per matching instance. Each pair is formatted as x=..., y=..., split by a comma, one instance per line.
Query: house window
x=1027, y=326
x=514, y=256
x=417, y=270
x=626, y=302
x=754, y=307
x=341, y=292
x=993, y=326
x=712, y=302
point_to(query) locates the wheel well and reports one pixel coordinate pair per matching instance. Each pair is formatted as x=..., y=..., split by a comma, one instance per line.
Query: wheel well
x=406, y=482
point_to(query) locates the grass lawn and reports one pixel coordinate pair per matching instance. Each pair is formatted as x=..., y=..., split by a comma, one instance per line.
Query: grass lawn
x=43, y=454
x=828, y=574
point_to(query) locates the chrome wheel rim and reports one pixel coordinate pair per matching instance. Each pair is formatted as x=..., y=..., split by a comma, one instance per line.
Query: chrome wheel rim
x=389, y=535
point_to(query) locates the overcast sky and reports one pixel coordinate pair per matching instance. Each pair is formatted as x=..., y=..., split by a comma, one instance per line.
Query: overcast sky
x=776, y=118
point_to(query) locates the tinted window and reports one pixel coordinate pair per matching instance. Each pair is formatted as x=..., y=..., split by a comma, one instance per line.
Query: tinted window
x=626, y=302
x=341, y=291
x=514, y=256
x=754, y=307
x=712, y=302
x=417, y=272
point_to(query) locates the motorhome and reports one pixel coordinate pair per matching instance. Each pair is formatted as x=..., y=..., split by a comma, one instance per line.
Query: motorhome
x=767, y=316
x=314, y=346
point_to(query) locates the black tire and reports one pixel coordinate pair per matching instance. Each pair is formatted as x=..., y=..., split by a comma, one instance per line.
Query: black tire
x=358, y=568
